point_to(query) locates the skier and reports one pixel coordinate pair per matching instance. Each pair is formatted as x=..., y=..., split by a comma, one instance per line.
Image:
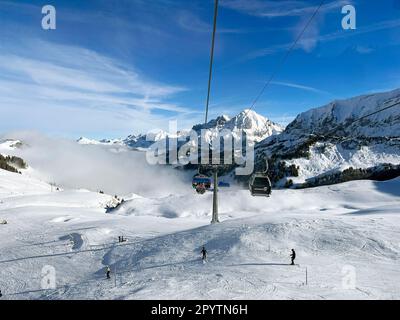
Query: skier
x=204, y=253
x=293, y=256
x=1, y=294
x=108, y=271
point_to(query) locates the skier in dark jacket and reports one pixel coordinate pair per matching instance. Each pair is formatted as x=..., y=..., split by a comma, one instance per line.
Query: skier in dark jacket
x=293, y=256
x=108, y=272
x=204, y=253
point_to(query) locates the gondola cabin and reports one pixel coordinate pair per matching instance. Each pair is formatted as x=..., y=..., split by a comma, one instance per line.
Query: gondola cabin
x=201, y=183
x=260, y=185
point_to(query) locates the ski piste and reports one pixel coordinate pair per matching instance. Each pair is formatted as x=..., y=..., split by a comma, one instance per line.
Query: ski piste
x=332, y=228
x=87, y=105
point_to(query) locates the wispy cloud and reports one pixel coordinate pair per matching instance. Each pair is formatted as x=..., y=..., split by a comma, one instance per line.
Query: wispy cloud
x=67, y=79
x=282, y=8
x=283, y=120
x=191, y=22
x=289, y=8
x=299, y=86
x=389, y=24
x=364, y=49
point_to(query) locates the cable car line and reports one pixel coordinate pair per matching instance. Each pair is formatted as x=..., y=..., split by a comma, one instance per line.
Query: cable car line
x=285, y=57
x=211, y=59
x=201, y=182
x=259, y=183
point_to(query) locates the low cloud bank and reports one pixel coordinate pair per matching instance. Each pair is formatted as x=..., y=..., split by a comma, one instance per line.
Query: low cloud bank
x=115, y=170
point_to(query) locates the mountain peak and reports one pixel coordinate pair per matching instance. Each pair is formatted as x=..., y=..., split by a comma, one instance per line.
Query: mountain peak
x=87, y=141
x=256, y=126
x=84, y=140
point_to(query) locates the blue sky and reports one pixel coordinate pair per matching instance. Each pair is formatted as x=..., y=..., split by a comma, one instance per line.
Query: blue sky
x=112, y=68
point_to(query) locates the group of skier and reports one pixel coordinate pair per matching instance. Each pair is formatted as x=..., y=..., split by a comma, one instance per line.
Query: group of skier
x=204, y=259
x=121, y=239
x=204, y=255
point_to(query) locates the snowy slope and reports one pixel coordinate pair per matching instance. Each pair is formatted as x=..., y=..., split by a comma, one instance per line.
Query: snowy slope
x=8, y=145
x=13, y=184
x=322, y=120
x=337, y=157
x=325, y=139
x=353, y=224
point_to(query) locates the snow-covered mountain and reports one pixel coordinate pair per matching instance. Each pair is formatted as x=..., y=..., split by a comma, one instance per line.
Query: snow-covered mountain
x=331, y=138
x=342, y=112
x=139, y=141
x=144, y=141
x=9, y=145
x=256, y=126
x=87, y=141
x=352, y=225
x=136, y=141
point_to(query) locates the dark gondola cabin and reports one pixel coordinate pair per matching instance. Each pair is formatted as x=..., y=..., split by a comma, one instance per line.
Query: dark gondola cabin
x=260, y=185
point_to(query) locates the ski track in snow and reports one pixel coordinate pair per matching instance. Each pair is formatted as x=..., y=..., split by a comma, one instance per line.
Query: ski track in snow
x=352, y=224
